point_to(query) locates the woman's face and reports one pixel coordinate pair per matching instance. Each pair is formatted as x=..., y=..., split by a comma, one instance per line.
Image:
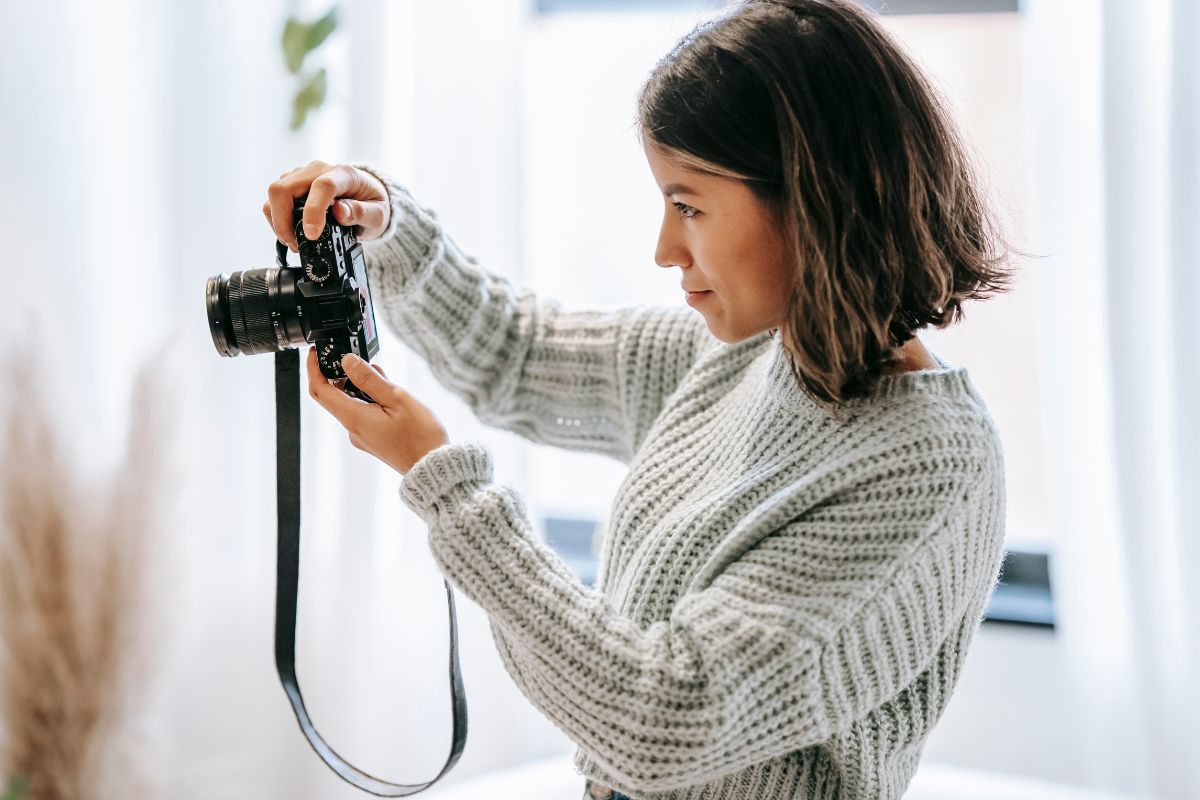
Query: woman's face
x=725, y=241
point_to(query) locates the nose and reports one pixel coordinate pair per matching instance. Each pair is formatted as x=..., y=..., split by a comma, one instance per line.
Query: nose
x=670, y=250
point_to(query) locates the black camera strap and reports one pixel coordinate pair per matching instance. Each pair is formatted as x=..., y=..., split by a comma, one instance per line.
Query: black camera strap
x=287, y=454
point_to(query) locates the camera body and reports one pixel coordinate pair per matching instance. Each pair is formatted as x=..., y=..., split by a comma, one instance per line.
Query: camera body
x=325, y=302
x=331, y=286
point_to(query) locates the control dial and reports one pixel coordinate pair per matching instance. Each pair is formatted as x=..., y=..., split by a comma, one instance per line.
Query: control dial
x=317, y=270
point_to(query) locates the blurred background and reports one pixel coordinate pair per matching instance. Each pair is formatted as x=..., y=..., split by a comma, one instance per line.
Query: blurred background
x=137, y=143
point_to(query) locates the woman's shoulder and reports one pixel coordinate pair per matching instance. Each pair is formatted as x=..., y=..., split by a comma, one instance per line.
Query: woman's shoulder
x=934, y=416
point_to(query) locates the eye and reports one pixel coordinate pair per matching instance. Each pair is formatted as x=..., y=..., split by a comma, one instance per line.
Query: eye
x=685, y=211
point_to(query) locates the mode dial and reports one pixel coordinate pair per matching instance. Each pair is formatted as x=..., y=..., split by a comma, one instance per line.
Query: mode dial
x=317, y=270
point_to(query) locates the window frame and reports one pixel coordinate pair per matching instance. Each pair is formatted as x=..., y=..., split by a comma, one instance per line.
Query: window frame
x=888, y=7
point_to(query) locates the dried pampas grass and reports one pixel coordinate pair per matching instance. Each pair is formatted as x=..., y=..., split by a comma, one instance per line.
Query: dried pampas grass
x=78, y=617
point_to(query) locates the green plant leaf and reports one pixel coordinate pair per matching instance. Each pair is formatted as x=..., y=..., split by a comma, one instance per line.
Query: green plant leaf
x=300, y=38
x=310, y=96
x=295, y=37
x=319, y=31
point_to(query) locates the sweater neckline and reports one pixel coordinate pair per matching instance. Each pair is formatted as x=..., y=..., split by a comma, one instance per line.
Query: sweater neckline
x=946, y=379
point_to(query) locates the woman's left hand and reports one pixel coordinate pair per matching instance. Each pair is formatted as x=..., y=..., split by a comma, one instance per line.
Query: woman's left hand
x=397, y=429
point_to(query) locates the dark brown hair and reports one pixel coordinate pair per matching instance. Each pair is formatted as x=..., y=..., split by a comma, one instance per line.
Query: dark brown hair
x=837, y=130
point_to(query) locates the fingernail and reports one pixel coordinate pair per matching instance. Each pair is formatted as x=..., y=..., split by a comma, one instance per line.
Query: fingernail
x=350, y=358
x=311, y=231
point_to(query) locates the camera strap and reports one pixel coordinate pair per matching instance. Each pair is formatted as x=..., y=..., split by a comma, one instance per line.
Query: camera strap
x=287, y=454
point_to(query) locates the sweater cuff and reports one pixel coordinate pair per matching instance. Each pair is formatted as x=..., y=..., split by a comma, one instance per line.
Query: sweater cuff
x=444, y=477
x=412, y=240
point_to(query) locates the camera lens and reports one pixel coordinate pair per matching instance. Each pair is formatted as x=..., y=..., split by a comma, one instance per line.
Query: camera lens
x=248, y=311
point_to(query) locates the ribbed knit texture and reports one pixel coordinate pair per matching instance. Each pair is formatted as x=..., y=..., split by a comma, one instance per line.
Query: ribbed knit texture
x=784, y=602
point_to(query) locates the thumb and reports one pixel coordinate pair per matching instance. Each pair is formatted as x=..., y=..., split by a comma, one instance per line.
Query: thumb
x=364, y=377
x=369, y=215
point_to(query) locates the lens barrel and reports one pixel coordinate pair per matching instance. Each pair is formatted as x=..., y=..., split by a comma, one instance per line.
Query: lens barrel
x=246, y=312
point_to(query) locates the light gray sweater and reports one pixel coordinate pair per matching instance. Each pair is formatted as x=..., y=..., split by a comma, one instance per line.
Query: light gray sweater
x=783, y=602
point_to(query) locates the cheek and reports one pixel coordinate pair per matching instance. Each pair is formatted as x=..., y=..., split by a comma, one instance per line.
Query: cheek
x=761, y=281
x=773, y=267
x=745, y=262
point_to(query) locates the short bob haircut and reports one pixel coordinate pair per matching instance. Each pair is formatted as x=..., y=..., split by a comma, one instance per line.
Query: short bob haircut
x=838, y=132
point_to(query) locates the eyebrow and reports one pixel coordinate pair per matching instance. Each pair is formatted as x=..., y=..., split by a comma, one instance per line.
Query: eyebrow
x=678, y=188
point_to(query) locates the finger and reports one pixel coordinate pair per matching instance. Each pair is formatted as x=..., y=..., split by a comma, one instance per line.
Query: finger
x=266, y=208
x=327, y=187
x=342, y=406
x=370, y=216
x=376, y=386
x=344, y=211
x=380, y=370
x=281, y=200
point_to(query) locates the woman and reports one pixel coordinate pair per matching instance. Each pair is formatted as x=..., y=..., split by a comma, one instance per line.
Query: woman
x=812, y=522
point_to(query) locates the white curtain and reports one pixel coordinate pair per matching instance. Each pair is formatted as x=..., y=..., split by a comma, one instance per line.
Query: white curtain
x=137, y=143
x=1116, y=175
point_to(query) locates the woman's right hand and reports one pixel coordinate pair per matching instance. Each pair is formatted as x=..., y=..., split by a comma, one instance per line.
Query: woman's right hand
x=361, y=200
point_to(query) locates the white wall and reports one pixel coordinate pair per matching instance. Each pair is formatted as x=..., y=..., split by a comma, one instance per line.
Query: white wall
x=137, y=143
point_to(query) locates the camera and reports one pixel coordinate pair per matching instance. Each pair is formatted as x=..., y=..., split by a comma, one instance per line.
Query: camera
x=326, y=302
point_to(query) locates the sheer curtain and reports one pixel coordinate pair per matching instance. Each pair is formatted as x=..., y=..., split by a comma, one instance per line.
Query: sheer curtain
x=1116, y=90
x=137, y=145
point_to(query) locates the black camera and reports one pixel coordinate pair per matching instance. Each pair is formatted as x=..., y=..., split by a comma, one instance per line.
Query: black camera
x=326, y=301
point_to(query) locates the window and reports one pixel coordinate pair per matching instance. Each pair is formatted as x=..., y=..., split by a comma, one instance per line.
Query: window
x=591, y=208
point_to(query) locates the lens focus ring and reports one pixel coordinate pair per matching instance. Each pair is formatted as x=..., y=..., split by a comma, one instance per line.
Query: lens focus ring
x=250, y=311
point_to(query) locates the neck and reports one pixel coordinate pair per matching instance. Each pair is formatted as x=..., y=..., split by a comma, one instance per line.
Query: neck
x=913, y=357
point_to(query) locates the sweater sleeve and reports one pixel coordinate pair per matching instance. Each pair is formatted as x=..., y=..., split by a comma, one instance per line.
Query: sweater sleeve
x=587, y=380
x=801, y=633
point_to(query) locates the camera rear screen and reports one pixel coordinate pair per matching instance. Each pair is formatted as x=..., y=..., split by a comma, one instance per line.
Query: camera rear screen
x=360, y=276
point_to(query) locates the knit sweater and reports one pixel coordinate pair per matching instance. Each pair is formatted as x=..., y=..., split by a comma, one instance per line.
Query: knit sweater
x=783, y=601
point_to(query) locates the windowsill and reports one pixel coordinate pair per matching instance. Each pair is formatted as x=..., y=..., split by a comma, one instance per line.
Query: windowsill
x=1023, y=596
